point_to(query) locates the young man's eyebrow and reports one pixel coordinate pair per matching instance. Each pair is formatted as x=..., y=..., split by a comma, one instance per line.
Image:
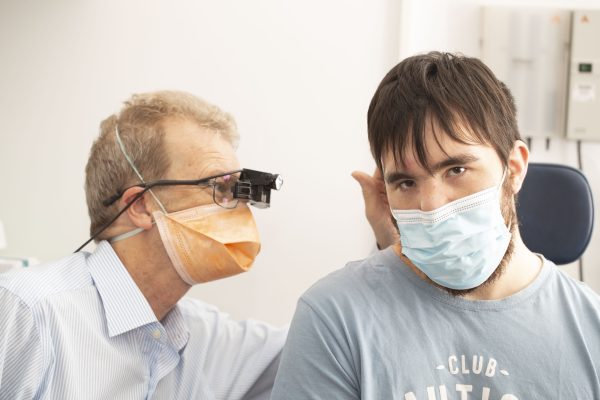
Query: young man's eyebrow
x=396, y=176
x=456, y=160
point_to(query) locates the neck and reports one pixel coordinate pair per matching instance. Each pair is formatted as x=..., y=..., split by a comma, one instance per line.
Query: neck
x=152, y=271
x=522, y=269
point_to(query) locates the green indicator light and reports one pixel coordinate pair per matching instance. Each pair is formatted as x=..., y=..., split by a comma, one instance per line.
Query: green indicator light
x=585, y=67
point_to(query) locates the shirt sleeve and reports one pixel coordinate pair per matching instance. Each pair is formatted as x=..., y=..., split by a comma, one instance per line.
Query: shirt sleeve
x=245, y=365
x=316, y=362
x=21, y=355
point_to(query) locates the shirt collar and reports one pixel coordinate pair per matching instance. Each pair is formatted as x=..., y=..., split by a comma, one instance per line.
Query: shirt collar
x=176, y=328
x=125, y=306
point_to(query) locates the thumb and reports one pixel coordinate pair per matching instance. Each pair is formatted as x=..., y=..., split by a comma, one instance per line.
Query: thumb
x=366, y=182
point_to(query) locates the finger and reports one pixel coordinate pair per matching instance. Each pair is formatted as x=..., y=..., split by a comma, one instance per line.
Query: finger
x=364, y=180
x=370, y=185
x=377, y=174
x=367, y=186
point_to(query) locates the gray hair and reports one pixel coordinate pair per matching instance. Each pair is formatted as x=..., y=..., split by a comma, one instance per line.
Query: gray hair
x=140, y=124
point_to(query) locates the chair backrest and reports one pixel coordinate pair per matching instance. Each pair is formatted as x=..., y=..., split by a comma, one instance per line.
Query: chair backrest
x=556, y=212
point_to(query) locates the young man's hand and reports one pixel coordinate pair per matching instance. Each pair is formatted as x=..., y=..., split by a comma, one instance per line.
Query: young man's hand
x=377, y=208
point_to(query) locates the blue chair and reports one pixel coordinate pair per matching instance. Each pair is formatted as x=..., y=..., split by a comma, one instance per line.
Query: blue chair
x=556, y=212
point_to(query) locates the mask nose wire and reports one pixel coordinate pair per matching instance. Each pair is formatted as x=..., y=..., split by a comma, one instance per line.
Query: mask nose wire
x=122, y=147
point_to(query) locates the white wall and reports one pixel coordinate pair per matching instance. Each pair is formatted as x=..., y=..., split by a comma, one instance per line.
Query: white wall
x=298, y=76
x=455, y=26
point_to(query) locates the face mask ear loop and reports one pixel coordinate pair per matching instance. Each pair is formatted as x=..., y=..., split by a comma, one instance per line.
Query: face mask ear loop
x=504, y=174
x=127, y=235
x=122, y=147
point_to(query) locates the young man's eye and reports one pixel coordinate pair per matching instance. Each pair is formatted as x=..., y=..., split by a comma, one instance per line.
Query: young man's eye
x=456, y=171
x=405, y=185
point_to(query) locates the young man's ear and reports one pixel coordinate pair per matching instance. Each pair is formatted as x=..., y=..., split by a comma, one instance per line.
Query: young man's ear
x=517, y=165
x=139, y=212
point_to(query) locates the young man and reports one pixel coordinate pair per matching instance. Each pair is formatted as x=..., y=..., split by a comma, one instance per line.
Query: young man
x=113, y=324
x=461, y=309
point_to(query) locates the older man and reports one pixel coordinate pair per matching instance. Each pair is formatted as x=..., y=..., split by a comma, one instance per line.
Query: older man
x=463, y=310
x=113, y=324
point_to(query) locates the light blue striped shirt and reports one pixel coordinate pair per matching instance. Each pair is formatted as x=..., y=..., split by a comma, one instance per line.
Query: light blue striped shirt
x=80, y=328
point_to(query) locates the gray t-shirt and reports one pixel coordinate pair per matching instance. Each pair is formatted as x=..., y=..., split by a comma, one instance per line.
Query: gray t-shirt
x=374, y=330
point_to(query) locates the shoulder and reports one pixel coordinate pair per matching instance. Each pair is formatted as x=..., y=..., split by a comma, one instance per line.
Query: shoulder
x=194, y=310
x=568, y=286
x=378, y=279
x=215, y=333
x=207, y=317
x=37, y=283
x=574, y=301
x=573, y=291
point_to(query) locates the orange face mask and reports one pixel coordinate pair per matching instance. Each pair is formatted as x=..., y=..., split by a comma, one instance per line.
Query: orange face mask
x=209, y=242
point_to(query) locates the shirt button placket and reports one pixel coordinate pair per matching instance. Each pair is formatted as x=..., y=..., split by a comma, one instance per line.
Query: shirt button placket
x=155, y=356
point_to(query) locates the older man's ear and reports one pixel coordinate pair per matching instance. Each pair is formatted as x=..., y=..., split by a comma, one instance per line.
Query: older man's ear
x=140, y=214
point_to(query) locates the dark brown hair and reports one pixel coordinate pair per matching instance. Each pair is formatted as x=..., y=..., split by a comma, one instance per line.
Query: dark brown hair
x=458, y=93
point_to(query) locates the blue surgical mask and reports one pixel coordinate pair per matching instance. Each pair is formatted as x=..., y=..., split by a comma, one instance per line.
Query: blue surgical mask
x=460, y=244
